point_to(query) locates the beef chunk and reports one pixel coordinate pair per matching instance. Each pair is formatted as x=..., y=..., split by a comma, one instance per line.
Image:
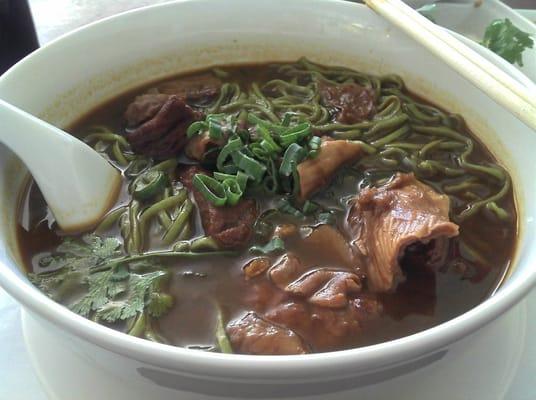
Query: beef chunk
x=143, y=108
x=351, y=102
x=386, y=220
x=230, y=226
x=315, y=173
x=328, y=240
x=286, y=270
x=252, y=334
x=163, y=134
x=325, y=287
x=192, y=88
x=325, y=328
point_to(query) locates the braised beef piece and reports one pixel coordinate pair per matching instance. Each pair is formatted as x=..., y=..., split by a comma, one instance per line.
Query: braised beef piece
x=324, y=306
x=252, y=334
x=324, y=328
x=286, y=270
x=329, y=240
x=316, y=173
x=192, y=88
x=163, y=134
x=386, y=220
x=230, y=226
x=325, y=287
x=351, y=102
x=143, y=108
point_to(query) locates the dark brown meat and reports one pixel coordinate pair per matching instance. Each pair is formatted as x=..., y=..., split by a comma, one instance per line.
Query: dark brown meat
x=230, y=226
x=164, y=133
x=252, y=334
x=386, y=220
x=192, y=88
x=352, y=103
x=143, y=108
x=325, y=287
x=315, y=173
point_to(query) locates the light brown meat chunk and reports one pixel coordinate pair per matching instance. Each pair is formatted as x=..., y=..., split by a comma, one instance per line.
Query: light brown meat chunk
x=252, y=334
x=325, y=328
x=286, y=270
x=386, y=220
x=328, y=240
x=326, y=288
x=315, y=173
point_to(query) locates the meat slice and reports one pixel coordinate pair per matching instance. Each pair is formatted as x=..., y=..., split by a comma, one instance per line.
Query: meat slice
x=325, y=287
x=325, y=328
x=162, y=132
x=286, y=270
x=252, y=334
x=351, y=102
x=315, y=173
x=230, y=226
x=143, y=108
x=192, y=88
x=386, y=220
x=329, y=241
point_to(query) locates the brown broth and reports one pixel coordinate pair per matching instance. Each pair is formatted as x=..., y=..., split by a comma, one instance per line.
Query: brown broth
x=424, y=300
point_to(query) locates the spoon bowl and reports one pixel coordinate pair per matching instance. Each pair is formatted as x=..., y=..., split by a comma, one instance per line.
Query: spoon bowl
x=77, y=183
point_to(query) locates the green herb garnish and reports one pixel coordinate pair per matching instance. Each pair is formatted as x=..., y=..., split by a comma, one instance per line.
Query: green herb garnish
x=507, y=40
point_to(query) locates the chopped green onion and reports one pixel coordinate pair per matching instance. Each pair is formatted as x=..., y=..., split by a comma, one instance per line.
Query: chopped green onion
x=273, y=246
x=241, y=178
x=196, y=128
x=249, y=165
x=148, y=184
x=211, y=189
x=232, y=190
x=286, y=119
x=286, y=207
x=309, y=207
x=234, y=144
x=267, y=141
x=314, y=146
x=295, y=134
x=292, y=157
x=215, y=130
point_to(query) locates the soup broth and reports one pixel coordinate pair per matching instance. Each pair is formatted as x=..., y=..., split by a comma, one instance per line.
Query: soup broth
x=280, y=209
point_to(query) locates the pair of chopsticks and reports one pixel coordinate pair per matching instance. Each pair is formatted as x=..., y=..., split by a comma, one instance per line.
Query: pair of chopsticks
x=496, y=83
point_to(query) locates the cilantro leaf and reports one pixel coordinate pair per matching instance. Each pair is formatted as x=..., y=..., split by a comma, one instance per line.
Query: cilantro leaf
x=505, y=39
x=84, y=253
x=113, y=289
x=138, y=292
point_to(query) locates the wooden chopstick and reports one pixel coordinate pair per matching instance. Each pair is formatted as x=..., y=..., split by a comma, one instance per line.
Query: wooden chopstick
x=502, y=88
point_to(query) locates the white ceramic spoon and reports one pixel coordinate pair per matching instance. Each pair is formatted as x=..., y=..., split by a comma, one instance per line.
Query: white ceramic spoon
x=78, y=184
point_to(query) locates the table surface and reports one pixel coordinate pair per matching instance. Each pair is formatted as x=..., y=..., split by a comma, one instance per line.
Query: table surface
x=53, y=18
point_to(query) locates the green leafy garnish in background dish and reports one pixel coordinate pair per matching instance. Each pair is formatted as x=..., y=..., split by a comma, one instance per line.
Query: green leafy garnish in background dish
x=505, y=39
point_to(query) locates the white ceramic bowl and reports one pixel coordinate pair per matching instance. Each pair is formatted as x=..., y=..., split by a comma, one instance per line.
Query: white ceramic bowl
x=80, y=70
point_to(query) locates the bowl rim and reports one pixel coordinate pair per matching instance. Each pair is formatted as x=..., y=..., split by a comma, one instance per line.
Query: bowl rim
x=288, y=367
